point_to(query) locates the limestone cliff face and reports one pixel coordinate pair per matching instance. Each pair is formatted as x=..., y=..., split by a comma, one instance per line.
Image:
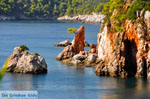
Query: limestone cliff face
x=125, y=53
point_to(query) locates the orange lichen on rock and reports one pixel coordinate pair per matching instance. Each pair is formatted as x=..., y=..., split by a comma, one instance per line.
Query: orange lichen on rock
x=130, y=31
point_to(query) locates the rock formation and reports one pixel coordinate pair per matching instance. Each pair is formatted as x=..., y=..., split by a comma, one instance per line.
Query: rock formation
x=75, y=55
x=78, y=41
x=76, y=47
x=125, y=53
x=63, y=43
x=67, y=42
x=23, y=62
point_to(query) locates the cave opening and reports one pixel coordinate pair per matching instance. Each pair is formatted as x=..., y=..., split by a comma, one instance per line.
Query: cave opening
x=130, y=57
x=145, y=69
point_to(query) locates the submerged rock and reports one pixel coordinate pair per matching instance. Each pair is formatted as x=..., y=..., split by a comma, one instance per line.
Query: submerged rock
x=23, y=62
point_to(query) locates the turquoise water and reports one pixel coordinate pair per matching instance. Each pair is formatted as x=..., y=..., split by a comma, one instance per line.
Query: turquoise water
x=61, y=81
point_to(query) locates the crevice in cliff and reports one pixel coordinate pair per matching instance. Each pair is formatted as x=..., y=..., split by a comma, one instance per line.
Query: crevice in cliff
x=130, y=57
x=145, y=69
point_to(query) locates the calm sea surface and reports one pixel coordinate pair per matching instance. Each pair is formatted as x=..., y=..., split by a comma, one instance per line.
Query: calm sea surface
x=61, y=81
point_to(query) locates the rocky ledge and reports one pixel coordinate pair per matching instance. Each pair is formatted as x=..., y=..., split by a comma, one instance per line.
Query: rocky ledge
x=74, y=54
x=94, y=18
x=21, y=61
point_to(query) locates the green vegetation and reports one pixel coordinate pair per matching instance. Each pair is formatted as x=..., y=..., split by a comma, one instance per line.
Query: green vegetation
x=23, y=48
x=109, y=8
x=120, y=14
x=49, y=8
x=72, y=30
x=4, y=68
x=137, y=5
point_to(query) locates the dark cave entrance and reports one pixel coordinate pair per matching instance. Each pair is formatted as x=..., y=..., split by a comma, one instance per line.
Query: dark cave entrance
x=130, y=55
x=145, y=69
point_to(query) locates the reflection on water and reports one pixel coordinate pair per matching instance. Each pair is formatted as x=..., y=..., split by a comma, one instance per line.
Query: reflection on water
x=132, y=88
x=15, y=81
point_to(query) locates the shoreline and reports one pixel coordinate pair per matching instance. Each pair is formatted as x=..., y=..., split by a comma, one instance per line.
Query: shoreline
x=9, y=18
x=94, y=18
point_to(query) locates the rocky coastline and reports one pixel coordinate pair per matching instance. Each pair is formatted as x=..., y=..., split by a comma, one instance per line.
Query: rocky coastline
x=6, y=18
x=118, y=53
x=93, y=18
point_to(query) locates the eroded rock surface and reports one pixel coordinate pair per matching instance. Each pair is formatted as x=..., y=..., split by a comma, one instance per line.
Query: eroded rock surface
x=75, y=55
x=63, y=43
x=23, y=62
x=76, y=47
x=125, y=53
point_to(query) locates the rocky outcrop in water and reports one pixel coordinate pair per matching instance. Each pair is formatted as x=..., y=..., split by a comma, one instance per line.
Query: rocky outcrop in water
x=75, y=55
x=23, y=62
x=125, y=53
x=94, y=18
x=67, y=42
x=76, y=47
x=63, y=43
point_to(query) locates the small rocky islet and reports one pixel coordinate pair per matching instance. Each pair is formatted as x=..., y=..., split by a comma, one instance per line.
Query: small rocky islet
x=74, y=54
x=21, y=61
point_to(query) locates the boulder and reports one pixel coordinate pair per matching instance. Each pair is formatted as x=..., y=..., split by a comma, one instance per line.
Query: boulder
x=68, y=52
x=63, y=43
x=92, y=58
x=23, y=62
x=93, y=50
x=79, y=57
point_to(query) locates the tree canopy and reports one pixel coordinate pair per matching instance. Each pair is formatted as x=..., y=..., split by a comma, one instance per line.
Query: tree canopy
x=49, y=8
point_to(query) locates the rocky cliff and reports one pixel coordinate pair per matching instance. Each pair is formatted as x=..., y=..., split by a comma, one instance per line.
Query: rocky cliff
x=125, y=53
